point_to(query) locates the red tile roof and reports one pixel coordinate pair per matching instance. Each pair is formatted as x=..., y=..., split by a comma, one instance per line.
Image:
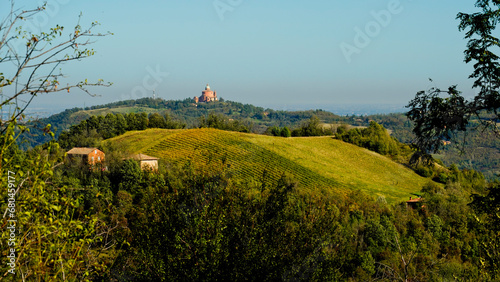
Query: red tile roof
x=81, y=151
x=414, y=200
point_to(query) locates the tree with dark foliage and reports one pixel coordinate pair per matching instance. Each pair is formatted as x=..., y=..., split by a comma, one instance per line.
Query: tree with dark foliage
x=440, y=118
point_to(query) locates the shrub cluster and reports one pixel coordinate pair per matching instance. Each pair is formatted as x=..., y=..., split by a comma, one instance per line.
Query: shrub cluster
x=312, y=127
x=374, y=138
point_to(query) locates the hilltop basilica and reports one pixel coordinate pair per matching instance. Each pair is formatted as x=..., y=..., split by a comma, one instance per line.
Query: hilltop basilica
x=207, y=95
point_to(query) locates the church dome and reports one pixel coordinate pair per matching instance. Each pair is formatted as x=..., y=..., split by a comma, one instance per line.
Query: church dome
x=207, y=87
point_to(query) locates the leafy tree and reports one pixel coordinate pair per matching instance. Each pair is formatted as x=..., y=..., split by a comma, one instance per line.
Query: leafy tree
x=157, y=121
x=108, y=126
x=121, y=124
x=131, y=121
x=341, y=130
x=218, y=121
x=172, y=124
x=439, y=118
x=436, y=118
x=374, y=138
x=285, y=132
x=487, y=218
x=143, y=121
x=129, y=176
x=275, y=131
x=312, y=127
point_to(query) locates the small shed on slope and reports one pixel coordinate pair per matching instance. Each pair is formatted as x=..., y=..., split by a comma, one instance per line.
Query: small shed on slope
x=146, y=161
x=413, y=203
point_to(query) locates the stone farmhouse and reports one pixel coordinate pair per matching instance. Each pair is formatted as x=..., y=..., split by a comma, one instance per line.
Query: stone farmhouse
x=92, y=156
x=146, y=161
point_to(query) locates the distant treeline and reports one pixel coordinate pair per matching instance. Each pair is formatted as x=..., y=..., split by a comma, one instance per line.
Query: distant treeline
x=311, y=127
x=91, y=131
x=257, y=119
x=480, y=150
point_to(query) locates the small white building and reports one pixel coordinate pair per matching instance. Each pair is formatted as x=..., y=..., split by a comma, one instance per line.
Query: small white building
x=146, y=161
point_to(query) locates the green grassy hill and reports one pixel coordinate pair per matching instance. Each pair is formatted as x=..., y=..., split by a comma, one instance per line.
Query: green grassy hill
x=318, y=164
x=481, y=149
x=184, y=111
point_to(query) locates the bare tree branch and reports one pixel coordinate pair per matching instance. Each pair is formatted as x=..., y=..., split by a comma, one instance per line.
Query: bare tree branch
x=30, y=75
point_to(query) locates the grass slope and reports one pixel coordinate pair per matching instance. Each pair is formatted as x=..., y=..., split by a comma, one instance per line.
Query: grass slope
x=319, y=164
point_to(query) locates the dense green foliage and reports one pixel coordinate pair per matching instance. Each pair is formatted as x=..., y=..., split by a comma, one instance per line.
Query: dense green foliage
x=312, y=127
x=221, y=122
x=477, y=149
x=374, y=138
x=276, y=131
x=487, y=218
x=91, y=131
x=195, y=224
x=192, y=221
x=54, y=237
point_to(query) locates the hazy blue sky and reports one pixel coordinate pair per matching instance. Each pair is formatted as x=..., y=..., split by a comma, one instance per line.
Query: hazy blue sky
x=281, y=54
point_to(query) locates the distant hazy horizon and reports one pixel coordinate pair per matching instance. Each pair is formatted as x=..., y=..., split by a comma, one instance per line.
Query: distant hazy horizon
x=46, y=110
x=277, y=53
